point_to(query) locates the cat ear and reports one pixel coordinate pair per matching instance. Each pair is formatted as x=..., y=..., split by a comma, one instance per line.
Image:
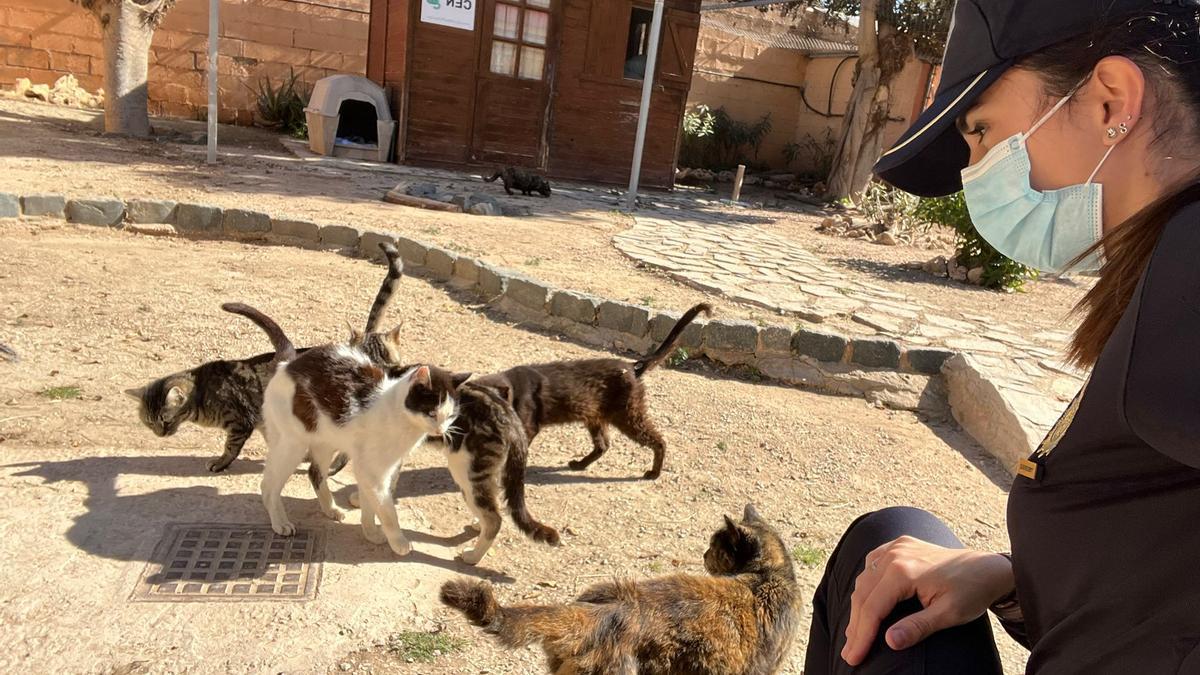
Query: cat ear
x=135, y=393
x=394, y=334
x=458, y=379
x=751, y=514
x=421, y=375
x=356, y=336
x=731, y=526
x=505, y=392
x=175, y=397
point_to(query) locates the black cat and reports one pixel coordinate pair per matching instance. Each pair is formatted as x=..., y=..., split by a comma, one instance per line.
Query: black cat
x=525, y=181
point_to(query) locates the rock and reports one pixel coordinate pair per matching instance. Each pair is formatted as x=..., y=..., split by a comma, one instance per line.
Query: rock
x=938, y=267
x=483, y=209
x=413, y=252
x=149, y=211
x=440, y=263
x=40, y=92
x=426, y=190
x=875, y=352
x=623, y=317
x=876, y=321
x=956, y=271
x=10, y=206
x=975, y=276
x=776, y=339
x=198, y=218
x=820, y=346
x=725, y=177
x=692, y=337
x=369, y=241
x=96, y=211
x=152, y=229
x=297, y=229
x=731, y=336
x=492, y=280
x=44, y=205
x=886, y=238
x=927, y=360
x=528, y=293
x=515, y=211
x=466, y=270
x=342, y=236
x=22, y=86
x=577, y=307
x=240, y=221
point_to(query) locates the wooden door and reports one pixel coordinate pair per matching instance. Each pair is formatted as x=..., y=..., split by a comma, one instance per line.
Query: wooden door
x=516, y=66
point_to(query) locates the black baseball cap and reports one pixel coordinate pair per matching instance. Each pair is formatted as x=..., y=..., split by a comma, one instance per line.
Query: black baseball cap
x=986, y=38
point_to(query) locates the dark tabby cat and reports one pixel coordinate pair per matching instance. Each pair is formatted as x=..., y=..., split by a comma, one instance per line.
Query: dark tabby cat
x=486, y=448
x=597, y=392
x=228, y=394
x=739, y=621
x=525, y=181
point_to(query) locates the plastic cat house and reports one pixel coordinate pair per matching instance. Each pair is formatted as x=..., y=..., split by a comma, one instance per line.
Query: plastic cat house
x=348, y=116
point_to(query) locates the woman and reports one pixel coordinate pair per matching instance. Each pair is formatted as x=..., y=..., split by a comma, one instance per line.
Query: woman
x=1073, y=127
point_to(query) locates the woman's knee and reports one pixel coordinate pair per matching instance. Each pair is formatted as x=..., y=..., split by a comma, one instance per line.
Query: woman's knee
x=874, y=529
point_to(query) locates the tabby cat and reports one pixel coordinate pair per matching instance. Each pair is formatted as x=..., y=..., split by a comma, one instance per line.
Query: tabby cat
x=333, y=399
x=486, y=448
x=228, y=394
x=739, y=621
x=525, y=181
x=597, y=392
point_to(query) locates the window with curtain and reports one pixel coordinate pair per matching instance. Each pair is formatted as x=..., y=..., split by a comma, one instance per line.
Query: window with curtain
x=519, y=34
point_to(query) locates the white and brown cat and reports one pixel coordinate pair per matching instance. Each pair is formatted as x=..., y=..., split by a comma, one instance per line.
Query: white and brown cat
x=335, y=398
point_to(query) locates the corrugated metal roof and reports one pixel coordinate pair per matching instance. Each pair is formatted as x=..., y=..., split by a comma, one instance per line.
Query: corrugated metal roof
x=782, y=39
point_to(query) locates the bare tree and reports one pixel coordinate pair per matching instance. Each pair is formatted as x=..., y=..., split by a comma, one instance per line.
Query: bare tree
x=128, y=27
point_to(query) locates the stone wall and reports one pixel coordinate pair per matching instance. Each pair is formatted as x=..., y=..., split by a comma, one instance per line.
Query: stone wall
x=45, y=39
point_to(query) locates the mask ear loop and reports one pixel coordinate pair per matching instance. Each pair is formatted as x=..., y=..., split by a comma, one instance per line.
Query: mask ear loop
x=1102, y=161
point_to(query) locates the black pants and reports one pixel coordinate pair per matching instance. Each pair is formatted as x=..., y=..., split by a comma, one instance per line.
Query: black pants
x=963, y=650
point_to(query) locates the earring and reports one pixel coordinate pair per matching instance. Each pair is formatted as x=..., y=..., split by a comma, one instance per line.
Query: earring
x=1124, y=129
x=1112, y=133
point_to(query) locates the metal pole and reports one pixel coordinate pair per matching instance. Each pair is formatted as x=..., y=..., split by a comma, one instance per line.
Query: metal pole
x=214, y=29
x=639, y=142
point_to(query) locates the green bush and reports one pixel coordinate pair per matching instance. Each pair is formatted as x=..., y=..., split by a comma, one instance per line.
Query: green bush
x=999, y=271
x=282, y=107
x=714, y=140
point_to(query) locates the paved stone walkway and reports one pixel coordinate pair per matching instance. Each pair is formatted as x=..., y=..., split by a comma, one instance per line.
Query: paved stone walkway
x=749, y=265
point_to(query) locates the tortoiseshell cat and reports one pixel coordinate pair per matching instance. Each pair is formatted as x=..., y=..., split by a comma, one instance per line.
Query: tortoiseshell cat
x=334, y=400
x=597, y=392
x=739, y=621
x=486, y=449
x=525, y=181
x=228, y=394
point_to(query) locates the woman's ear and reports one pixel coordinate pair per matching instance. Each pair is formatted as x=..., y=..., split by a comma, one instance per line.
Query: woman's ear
x=1120, y=91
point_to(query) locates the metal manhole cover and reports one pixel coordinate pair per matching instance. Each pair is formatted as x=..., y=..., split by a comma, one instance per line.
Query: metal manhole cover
x=210, y=561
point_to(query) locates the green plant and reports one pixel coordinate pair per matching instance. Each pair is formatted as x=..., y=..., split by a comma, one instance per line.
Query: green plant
x=819, y=152
x=897, y=210
x=714, y=140
x=533, y=262
x=422, y=647
x=61, y=393
x=678, y=358
x=282, y=107
x=722, y=446
x=808, y=555
x=648, y=300
x=999, y=271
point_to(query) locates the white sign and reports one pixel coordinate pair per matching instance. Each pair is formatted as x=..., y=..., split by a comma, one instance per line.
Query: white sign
x=452, y=13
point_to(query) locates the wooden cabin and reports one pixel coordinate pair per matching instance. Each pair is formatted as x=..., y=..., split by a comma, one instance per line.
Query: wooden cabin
x=552, y=85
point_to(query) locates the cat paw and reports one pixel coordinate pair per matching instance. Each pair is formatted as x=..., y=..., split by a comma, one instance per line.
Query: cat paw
x=470, y=557
x=651, y=474
x=285, y=529
x=577, y=465
x=335, y=513
x=354, y=500
x=219, y=464
x=374, y=536
x=401, y=548
x=472, y=526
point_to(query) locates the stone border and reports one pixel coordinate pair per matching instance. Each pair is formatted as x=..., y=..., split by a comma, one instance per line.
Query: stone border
x=881, y=369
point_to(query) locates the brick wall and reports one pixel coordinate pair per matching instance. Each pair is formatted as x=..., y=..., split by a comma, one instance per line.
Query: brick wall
x=45, y=39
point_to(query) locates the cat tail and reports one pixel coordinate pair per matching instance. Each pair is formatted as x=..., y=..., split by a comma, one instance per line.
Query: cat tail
x=284, y=349
x=668, y=346
x=562, y=627
x=514, y=496
x=388, y=288
x=496, y=175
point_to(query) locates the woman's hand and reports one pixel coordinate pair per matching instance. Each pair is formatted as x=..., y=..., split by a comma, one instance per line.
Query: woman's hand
x=954, y=586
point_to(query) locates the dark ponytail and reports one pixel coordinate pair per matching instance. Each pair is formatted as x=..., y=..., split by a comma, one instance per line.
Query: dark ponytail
x=1165, y=43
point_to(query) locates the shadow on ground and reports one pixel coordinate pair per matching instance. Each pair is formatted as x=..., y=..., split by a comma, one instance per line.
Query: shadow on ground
x=122, y=525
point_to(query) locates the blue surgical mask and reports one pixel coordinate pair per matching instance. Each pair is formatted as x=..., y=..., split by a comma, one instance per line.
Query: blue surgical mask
x=1043, y=230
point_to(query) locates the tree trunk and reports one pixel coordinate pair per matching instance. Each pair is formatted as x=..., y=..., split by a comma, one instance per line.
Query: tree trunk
x=127, y=34
x=861, y=139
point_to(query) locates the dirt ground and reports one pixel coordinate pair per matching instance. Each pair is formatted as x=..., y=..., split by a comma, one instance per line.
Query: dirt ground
x=87, y=490
x=567, y=242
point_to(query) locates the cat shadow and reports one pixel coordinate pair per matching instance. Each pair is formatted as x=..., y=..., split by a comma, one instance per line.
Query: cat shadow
x=121, y=524
x=436, y=480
